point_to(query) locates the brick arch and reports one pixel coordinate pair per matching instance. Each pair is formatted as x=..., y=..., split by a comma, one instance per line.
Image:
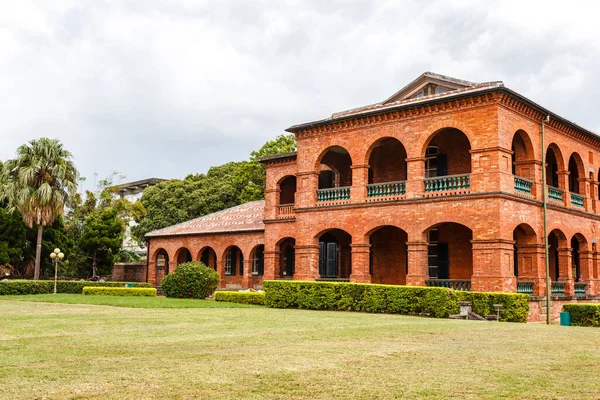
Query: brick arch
x=216, y=259
x=530, y=234
x=326, y=148
x=577, y=161
x=560, y=160
x=436, y=128
x=157, y=251
x=434, y=222
x=375, y=226
x=530, y=153
x=376, y=142
x=180, y=252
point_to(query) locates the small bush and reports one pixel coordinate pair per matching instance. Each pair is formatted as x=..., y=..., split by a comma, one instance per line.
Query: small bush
x=23, y=287
x=584, y=314
x=118, y=291
x=257, y=298
x=190, y=280
x=395, y=299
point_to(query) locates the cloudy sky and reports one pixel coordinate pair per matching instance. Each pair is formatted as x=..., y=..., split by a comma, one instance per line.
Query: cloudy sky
x=163, y=88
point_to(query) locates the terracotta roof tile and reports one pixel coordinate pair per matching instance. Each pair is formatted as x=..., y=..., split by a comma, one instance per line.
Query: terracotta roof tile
x=246, y=217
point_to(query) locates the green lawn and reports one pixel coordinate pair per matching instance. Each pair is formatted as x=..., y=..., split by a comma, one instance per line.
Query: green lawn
x=84, y=351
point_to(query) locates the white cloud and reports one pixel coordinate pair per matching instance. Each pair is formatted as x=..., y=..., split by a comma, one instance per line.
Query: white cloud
x=165, y=89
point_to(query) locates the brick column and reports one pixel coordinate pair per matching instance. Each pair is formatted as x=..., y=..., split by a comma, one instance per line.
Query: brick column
x=532, y=266
x=247, y=277
x=271, y=202
x=271, y=265
x=493, y=268
x=152, y=273
x=360, y=178
x=418, y=269
x=307, y=184
x=563, y=183
x=415, y=172
x=586, y=268
x=360, y=262
x=221, y=271
x=595, y=268
x=307, y=262
x=565, y=271
x=594, y=196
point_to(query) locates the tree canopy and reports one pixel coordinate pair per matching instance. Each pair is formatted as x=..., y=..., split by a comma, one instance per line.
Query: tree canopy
x=223, y=186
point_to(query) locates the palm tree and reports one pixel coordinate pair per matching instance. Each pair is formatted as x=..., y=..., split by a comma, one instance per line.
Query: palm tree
x=38, y=183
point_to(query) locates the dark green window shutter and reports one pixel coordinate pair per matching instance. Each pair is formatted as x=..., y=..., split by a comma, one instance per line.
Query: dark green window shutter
x=443, y=260
x=322, y=259
x=332, y=260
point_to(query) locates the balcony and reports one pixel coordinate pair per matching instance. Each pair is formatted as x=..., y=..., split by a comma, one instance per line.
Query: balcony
x=580, y=289
x=285, y=211
x=577, y=200
x=558, y=289
x=387, y=190
x=449, y=183
x=455, y=284
x=555, y=194
x=525, y=287
x=333, y=195
x=523, y=185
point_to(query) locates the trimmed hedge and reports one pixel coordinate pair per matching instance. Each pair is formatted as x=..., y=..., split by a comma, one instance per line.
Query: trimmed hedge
x=584, y=314
x=22, y=287
x=257, y=298
x=394, y=299
x=118, y=291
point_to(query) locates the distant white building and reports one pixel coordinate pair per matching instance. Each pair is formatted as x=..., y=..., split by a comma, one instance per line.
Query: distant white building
x=132, y=191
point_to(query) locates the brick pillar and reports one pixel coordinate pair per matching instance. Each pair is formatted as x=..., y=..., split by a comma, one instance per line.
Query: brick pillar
x=418, y=270
x=565, y=271
x=563, y=183
x=415, y=172
x=271, y=202
x=594, y=289
x=221, y=271
x=152, y=273
x=530, y=170
x=247, y=277
x=586, y=268
x=493, y=267
x=360, y=178
x=594, y=196
x=307, y=184
x=532, y=266
x=307, y=262
x=360, y=262
x=271, y=266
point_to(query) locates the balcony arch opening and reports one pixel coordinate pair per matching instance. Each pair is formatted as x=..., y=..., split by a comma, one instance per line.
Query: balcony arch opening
x=183, y=255
x=287, y=257
x=576, y=171
x=335, y=168
x=447, y=153
x=578, y=244
x=522, y=155
x=335, y=256
x=287, y=190
x=234, y=261
x=554, y=163
x=450, y=255
x=257, y=256
x=208, y=257
x=387, y=161
x=388, y=259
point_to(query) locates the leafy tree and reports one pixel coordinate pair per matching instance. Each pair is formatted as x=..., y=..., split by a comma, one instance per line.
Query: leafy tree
x=223, y=186
x=13, y=238
x=102, y=236
x=38, y=183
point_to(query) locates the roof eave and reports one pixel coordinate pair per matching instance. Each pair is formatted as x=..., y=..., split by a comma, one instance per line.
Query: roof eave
x=150, y=236
x=300, y=127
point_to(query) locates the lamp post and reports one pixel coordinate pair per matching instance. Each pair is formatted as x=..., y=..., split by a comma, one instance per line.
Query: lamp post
x=57, y=257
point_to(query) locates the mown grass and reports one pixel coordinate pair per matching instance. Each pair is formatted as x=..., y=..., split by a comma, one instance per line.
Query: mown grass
x=124, y=301
x=82, y=351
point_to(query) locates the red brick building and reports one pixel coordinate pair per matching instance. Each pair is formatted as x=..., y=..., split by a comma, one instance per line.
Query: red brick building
x=439, y=185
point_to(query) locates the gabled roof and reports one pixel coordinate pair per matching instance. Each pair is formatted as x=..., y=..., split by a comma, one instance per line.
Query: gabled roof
x=246, y=217
x=411, y=95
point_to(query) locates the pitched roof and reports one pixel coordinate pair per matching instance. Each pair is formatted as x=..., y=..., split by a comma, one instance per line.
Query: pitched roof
x=409, y=96
x=246, y=217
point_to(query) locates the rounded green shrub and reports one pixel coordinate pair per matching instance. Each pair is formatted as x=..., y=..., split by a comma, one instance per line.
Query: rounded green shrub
x=191, y=280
